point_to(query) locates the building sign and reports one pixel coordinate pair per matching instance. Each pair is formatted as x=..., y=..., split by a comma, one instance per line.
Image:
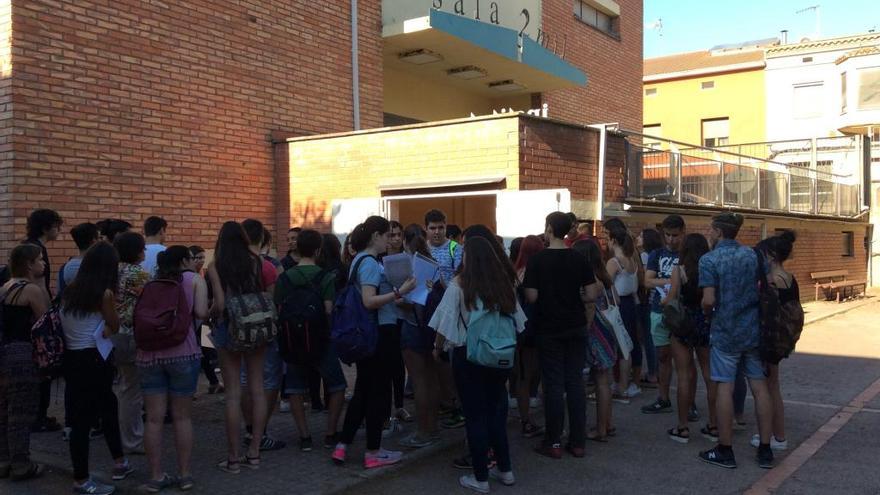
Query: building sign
x=523, y=16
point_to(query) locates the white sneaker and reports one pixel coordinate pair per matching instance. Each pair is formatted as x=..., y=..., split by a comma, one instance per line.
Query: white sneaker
x=284, y=406
x=633, y=390
x=506, y=479
x=774, y=444
x=534, y=402
x=469, y=481
x=393, y=427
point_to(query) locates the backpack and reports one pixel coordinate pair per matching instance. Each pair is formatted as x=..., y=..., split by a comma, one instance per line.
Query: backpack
x=677, y=320
x=5, y=275
x=781, y=324
x=491, y=338
x=303, y=326
x=354, y=331
x=162, y=316
x=251, y=320
x=47, y=338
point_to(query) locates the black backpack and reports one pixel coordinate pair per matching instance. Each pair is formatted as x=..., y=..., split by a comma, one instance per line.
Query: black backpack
x=304, y=330
x=781, y=324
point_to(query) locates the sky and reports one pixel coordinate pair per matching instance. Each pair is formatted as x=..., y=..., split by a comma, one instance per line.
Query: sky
x=692, y=25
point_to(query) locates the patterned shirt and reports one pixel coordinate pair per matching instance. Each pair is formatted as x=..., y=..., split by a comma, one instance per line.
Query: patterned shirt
x=731, y=269
x=449, y=259
x=132, y=279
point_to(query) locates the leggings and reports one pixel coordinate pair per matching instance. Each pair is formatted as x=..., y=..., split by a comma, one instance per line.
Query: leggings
x=90, y=380
x=629, y=312
x=399, y=370
x=371, y=401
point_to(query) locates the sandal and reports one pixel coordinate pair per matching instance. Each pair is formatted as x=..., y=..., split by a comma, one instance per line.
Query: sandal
x=230, y=466
x=156, y=486
x=594, y=435
x=710, y=433
x=611, y=432
x=251, y=462
x=680, y=435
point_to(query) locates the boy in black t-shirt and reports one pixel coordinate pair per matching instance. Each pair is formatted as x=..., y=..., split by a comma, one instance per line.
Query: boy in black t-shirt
x=559, y=281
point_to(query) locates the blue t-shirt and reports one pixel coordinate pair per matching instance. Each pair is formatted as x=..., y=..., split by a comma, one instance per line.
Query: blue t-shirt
x=151, y=252
x=372, y=273
x=448, y=262
x=662, y=261
x=68, y=273
x=731, y=269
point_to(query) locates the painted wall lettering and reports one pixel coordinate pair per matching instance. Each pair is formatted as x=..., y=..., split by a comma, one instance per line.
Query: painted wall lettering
x=523, y=16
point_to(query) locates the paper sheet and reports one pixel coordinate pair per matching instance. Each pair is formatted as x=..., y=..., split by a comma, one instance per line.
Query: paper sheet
x=426, y=271
x=398, y=268
x=104, y=345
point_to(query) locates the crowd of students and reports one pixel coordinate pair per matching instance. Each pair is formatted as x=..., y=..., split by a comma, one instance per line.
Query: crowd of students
x=557, y=307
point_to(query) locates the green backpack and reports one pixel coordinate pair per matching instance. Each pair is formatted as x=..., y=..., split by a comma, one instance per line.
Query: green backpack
x=491, y=338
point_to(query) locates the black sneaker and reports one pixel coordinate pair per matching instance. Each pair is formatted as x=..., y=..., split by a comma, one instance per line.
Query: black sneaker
x=462, y=462
x=268, y=443
x=693, y=414
x=330, y=441
x=716, y=457
x=765, y=457
x=658, y=406
x=305, y=444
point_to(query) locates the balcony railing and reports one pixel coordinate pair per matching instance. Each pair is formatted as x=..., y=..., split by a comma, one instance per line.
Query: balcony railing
x=790, y=177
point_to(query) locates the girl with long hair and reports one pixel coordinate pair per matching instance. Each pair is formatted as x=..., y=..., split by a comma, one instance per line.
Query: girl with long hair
x=88, y=308
x=23, y=302
x=372, y=390
x=602, y=346
x=482, y=283
x=237, y=270
x=685, y=285
x=527, y=367
x=172, y=375
x=330, y=259
x=623, y=268
x=417, y=343
x=777, y=250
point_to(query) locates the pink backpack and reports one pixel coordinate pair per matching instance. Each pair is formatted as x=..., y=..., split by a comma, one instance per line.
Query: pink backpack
x=162, y=316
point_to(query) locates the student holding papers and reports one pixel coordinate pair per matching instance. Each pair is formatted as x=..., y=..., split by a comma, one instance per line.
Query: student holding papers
x=417, y=340
x=88, y=304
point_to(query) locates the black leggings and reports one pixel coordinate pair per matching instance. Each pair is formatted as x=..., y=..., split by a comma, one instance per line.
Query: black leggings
x=372, y=391
x=89, y=380
x=399, y=371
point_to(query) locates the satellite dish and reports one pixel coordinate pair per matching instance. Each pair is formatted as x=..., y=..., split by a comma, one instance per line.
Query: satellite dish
x=740, y=181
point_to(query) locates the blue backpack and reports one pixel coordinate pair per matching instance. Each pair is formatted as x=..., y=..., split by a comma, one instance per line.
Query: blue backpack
x=355, y=331
x=491, y=338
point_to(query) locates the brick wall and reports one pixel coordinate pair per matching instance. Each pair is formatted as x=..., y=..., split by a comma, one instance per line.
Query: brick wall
x=819, y=245
x=6, y=123
x=613, y=66
x=133, y=108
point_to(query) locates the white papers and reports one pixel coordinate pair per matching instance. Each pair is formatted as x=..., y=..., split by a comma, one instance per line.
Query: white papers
x=104, y=345
x=426, y=271
x=663, y=291
x=398, y=268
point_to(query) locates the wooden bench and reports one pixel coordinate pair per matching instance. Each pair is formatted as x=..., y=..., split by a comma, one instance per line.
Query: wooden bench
x=834, y=284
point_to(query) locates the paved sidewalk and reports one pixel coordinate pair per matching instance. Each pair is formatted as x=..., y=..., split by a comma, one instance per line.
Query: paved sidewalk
x=817, y=383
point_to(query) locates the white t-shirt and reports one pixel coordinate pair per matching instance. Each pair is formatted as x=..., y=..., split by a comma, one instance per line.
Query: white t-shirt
x=149, y=264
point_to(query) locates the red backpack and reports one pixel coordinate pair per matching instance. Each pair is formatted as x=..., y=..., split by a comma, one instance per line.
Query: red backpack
x=162, y=316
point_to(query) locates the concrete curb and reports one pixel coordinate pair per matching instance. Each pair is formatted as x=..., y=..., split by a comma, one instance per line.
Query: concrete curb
x=866, y=301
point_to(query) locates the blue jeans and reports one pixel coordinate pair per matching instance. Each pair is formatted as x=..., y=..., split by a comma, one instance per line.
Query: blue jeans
x=647, y=340
x=484, y=404
x=563, y=356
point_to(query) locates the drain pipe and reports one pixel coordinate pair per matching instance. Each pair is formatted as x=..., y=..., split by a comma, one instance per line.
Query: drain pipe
x=355, y=70
x=600, y=190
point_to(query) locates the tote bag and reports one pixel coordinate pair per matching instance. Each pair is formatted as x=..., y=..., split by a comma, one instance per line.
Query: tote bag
x=611, y=314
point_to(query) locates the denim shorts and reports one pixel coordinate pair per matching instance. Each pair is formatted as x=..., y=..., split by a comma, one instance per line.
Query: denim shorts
x=177, y=379
x=273, y=368
x=416, y=339
x=296, y=381
x=722, y=365
x=220, y=335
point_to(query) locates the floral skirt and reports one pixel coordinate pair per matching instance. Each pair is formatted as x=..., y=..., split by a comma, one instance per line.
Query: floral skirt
x=601, y=346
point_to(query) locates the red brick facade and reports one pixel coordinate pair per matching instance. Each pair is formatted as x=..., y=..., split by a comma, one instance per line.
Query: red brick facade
x=133, y=108
x=613, y=66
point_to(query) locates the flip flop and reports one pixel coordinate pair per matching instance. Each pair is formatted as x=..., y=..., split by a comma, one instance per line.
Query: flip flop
x=593, y=435
x=230, y=466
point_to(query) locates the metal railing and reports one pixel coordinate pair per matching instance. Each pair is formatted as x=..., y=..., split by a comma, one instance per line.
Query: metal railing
x=786, y=176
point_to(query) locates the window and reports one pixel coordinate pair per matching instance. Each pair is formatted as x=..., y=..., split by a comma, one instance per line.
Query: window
x=807, y=100
x=716, y=132
x=650, y=91
x=843, y=92
x=707, y=85
x=589, y=13
x=849, y=247
x=652, y=130
x=869, y=89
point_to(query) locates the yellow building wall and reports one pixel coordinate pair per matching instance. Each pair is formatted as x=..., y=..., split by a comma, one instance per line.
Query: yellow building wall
x=356, y=165
x=680, y=106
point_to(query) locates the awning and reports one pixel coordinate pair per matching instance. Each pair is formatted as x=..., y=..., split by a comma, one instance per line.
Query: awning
x=464, y=42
